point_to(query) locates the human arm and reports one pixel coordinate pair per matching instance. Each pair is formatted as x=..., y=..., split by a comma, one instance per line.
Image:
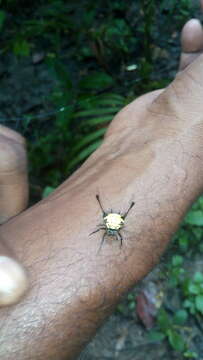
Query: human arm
x=152, y=155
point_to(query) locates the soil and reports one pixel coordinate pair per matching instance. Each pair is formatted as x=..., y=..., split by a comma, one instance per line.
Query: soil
x=25, y=89
x=126, y=338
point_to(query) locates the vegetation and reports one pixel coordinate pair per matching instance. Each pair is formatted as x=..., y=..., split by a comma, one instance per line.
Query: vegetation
x=102, y=55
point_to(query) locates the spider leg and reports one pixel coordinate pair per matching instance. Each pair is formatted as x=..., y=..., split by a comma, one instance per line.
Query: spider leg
x=130, y=207
x=121, y=239
x=103, y=238
x=98, y=199
x=93, y=232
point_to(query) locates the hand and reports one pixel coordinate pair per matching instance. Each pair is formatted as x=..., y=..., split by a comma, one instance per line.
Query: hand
x=13, y=174
x=13, y=199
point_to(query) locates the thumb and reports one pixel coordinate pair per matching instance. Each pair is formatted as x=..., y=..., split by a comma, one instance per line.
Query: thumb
x=13, y=278
x=191, y=42
x=182, y=99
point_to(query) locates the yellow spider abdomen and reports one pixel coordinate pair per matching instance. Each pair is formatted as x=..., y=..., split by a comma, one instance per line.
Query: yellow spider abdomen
x=113, y=221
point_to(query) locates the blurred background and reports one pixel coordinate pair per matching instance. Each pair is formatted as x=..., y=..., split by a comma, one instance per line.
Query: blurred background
x=66, y=68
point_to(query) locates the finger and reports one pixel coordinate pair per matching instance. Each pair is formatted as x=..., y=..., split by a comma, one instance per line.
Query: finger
x=191, y=42
x=13, y=278
x=13, y=174
x=12, y=135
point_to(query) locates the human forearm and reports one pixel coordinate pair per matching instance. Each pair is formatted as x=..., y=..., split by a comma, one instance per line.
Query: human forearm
x=73, y=288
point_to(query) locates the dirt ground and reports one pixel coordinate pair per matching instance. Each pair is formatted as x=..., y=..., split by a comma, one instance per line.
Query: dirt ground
x=125, y=337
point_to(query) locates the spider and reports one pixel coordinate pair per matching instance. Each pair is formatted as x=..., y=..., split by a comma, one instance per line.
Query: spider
x=112, y=223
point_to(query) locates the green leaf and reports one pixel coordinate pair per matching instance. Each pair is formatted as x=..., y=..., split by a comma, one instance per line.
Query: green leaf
x=2, y=18
x=194, y=218
x=21, y=47
x=47, y=190
x=84, y=154
x=131, y=297
x=183, y=243
x=102, y=100
x=94, y=112
x=199, y=303
x=187, y=303
x=99, y=120
x=96, y=80
x=198, y=277
x=180, y=317
x=200, y=202
x=131, y=305
x=156, y=336
x=164, y=320
x=190, y=355
x=62, y=74
x=193, y=289
x=176, y=341
x=87, y=139
x=121, y=308
x=177, y=260
x=197, y=231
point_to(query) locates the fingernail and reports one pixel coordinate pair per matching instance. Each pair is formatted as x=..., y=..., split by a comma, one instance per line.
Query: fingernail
x=13, y=281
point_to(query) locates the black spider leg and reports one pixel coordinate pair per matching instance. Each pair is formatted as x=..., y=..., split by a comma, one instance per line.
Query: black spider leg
x=93, y=232
x=119, y=237
x=103, y=238
x=98, y=199
x=132, y=204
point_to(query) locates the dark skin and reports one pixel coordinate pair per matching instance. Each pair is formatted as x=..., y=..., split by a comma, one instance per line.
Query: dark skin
x=152, y=152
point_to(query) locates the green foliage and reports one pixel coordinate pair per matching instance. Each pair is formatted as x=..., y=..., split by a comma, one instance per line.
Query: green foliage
x=172, y=326
x=180, y=317
x=188, y=237
x=21, y=47
x=167, y=329
x=175, y=340
x=128, y=307
x=2, y=18
x=89, y=51
x=175, y=270
x=47, y=191
x=193, y=293
x=190, y=354
x=78, y=129
x=194, y=217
